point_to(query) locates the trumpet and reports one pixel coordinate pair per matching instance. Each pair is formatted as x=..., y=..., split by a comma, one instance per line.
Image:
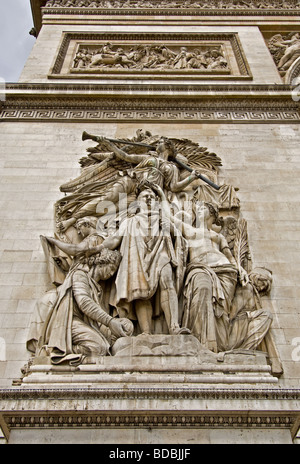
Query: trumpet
x=86, y=136
x=95, y=138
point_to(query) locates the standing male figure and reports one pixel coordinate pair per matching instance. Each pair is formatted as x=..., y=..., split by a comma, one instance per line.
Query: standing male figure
x=147, y=267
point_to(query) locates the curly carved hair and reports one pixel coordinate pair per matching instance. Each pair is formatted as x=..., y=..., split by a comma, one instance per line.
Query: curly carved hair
x=213, y=209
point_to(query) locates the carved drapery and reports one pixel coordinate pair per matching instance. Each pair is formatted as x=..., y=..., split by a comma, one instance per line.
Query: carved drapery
x=154, y=284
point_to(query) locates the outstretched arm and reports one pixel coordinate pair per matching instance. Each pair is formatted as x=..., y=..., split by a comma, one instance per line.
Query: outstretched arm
x=135, y=159
x=110, y=242
x=70, y=249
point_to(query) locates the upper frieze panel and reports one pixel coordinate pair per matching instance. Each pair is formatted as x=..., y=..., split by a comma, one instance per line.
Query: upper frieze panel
x=277, y=7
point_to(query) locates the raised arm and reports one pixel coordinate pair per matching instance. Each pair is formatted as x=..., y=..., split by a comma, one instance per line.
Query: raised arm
x=135, y=159
x=177, y=185
x=186, y=229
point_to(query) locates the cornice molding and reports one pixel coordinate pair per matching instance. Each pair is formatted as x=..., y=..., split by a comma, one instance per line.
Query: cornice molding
x=152, y=419
x=36, y=8
x=91, y=411
x=203, y=393
x=268, y=89
x=187, y=7
x=169, y=12
x=86, y=103
x=192, y=8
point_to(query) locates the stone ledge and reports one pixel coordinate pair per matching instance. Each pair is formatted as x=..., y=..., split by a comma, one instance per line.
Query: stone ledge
x=81, y=103
x=156, y=360
x=31, y=393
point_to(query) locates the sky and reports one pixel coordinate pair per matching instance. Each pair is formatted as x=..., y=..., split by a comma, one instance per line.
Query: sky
x=15, y=42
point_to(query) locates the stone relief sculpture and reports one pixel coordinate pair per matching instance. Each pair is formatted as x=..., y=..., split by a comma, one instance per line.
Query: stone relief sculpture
x=145, y=245
x=285, y=51
x=77, y=326
x=149, y=57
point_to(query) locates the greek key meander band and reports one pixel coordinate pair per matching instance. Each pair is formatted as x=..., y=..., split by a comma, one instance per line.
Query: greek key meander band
x=106, y=115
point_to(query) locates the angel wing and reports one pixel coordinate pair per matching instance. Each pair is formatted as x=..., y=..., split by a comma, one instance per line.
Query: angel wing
x=107, y=169
x=102, y=166
x=101, y=170
x=229, y=226
x=196, y=156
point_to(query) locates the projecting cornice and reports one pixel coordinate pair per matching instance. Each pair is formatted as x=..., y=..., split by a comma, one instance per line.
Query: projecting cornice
x=255, y=7
x=193, y=8
x=119, y=407
x=36, y=8
x=192, y=103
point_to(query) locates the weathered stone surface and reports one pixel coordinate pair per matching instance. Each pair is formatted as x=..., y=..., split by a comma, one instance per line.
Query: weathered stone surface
x=158, y=345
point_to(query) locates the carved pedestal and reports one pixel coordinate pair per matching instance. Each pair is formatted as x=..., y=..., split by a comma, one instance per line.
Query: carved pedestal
x=155, y=389
x=157, y=361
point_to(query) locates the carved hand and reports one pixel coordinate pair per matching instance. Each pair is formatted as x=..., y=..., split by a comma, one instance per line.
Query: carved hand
x=158, y=190
x=117, y=328
x=244, y=278
x=194, y=174
x=94, y=250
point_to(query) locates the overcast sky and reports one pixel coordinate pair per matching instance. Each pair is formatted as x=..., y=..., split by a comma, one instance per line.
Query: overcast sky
x=15, y=42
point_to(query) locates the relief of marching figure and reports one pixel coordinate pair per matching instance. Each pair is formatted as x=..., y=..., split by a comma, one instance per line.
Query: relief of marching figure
x=285, y=50
x=147, y=243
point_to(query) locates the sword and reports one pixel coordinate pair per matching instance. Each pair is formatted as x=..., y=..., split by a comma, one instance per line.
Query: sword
x=208, y=181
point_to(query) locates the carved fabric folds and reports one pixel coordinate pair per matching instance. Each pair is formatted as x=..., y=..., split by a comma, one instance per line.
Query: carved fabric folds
x=142, y=262
x=208, y=294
